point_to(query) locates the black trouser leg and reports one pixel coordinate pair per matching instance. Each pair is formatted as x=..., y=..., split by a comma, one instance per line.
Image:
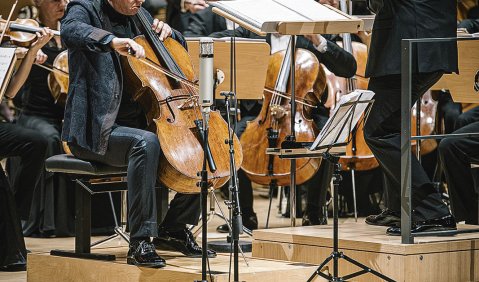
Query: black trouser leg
x=456, y=155
x=382, y=134
x=184, y=209
x=12, y=248
x=30, y=146
x=317, y=189
x=139, y=150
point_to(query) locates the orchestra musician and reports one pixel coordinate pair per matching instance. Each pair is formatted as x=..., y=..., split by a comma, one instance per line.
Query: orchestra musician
x=336, y=59
x=41, y=113
x=394, y=21
x=30, y=147
x=178, y=12
x=102, y=123
x=456, y=155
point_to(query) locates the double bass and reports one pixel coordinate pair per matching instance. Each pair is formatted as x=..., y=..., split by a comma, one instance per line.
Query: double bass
x=273, y=124
x=163, y=85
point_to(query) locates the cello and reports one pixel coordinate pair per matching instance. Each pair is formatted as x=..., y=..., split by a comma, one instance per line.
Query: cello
x=162, y=84
x=273, y=124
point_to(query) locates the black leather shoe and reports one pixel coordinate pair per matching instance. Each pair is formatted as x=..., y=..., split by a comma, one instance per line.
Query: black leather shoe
x=314, y=219
x=13, y=267
x=386, y=218
x=143, y=253
x=250, y=221
x=223, y=228
x=181, y=241
x=445, y=223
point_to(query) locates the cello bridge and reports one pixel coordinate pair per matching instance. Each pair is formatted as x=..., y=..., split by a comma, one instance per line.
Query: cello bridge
x=189, y=103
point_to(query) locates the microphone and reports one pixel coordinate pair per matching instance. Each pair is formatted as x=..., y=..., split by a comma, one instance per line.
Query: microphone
x=207, y=80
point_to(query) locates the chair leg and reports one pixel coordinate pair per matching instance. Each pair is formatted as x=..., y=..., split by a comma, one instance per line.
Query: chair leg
x=82, y=227
x=82, y=219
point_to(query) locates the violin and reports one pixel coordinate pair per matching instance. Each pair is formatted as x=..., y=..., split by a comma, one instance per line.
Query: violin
x=163, y=85
x=273, y=124
x=21, y=32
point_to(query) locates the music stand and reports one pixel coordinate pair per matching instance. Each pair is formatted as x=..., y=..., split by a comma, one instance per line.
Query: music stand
x=329, y=145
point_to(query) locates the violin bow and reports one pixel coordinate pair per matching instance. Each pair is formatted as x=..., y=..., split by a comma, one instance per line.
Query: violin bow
x=8, y=19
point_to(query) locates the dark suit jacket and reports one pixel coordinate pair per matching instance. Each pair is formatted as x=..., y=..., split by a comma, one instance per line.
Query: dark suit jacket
x=174, y=17
x=204, y=23
x=403, y=19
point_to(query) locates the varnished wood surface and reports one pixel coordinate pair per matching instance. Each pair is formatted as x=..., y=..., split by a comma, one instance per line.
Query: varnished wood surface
x=43, y=267
x=434, y=259
x=251, y=66
x=360, y=236
x=461, y=86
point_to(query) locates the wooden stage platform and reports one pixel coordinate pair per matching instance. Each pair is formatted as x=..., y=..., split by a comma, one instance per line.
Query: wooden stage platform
x=47, y=268
x=434, y=259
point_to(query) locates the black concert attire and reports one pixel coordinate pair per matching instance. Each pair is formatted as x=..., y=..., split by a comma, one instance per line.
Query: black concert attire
x=16, y=193
x=338, y=61
x=103, y=133
x=394, y=21
x=175, y=17
x=51, y=212
x=456, y=155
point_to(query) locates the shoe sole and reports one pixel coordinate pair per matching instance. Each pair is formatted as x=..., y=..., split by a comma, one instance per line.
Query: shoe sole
x=385, y=225
x=168, y=248
x=430, y=230
x=149, y=265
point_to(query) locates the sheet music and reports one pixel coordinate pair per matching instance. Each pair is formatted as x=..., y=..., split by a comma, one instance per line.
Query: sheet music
x=266, y=14
x=338, y=123
x=7, y=56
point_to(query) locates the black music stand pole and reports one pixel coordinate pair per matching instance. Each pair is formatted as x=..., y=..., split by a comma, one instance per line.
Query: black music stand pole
x=334, y=159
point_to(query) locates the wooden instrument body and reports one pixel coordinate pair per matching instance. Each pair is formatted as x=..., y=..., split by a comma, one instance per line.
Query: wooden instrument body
x=309, y=79
x=173, y=121
x=20, y=38
x=58, y=79
x=428, y=123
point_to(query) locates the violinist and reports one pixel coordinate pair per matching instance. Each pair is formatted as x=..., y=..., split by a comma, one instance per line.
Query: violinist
x=41, y=113
x=30, y=147
x=102, y=122
x=338, y=61
x=396, y=20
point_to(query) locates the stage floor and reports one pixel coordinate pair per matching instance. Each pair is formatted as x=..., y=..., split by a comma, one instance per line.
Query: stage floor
x=44, y=267
x=448, y=259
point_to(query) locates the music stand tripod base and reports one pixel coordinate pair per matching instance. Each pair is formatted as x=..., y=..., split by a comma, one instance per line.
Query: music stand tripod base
x=336, y=254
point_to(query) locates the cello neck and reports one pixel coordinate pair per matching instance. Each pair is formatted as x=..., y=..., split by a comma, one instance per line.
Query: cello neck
x=160, y=50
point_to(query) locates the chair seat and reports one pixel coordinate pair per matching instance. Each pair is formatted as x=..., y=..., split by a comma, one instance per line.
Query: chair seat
x=68, y=164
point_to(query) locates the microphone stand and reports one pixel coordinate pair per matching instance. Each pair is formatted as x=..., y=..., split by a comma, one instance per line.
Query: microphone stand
x=233, y=205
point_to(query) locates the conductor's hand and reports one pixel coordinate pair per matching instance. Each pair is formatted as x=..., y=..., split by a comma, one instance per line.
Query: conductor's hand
x=162, y=29
x=126, y=46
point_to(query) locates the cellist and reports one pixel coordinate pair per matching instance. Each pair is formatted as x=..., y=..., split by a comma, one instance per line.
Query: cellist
x=102, y=123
